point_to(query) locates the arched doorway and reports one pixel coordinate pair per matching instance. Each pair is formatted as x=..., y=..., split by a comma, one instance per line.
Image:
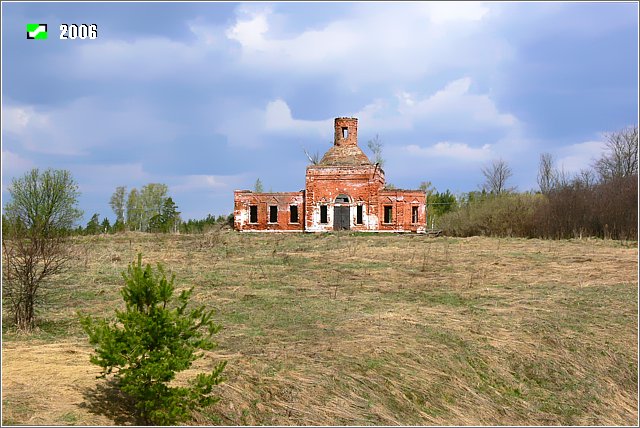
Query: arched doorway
x=341, y=213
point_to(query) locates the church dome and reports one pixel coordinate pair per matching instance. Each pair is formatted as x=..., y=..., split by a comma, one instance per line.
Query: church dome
x=345, y=155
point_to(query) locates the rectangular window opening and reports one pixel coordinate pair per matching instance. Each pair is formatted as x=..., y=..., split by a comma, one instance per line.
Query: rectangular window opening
x=345, y=132
x=359, y=214
x=293, y=211
x=387, y=213
x=414, y=214
x=273, y=214
x=323, y=214
x=253, y=213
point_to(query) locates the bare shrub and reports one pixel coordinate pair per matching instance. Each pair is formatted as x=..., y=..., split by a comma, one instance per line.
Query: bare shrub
x=38, y=218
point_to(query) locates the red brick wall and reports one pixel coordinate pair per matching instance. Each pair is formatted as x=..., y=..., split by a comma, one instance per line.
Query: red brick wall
x=344, y=170
x=243, y=199
x=352, y=128
x=402, y=202
x=325, y=183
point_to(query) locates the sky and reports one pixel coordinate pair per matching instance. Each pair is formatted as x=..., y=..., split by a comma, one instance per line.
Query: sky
x=209, y=97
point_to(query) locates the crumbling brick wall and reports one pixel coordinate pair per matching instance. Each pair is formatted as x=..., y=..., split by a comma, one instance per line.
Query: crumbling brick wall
x=263, y=203
x=359, y=183
x=344, y=190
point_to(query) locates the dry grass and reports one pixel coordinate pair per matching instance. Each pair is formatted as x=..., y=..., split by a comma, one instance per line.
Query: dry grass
x=361, y=330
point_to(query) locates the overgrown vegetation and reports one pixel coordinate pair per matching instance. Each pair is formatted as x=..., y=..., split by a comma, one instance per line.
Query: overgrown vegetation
x=375, y=145
x=600, y=202
x=155, y=337
x=487, y=214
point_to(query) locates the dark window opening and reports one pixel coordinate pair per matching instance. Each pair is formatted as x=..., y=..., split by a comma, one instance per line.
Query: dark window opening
x=323, y=214
x=273, y=214
x=253, y=213
x=414, y=214
x=359, y=214
x=345, y=132
x=293, y=210
x=343, y=199
x=387, y=213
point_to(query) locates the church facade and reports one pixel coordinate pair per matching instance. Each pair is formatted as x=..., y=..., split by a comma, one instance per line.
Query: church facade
x=344, y=191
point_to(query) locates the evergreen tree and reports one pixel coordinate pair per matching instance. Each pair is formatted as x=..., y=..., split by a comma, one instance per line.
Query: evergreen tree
x=152, y=339
x=93, y=226
x=118, y=226
x=105, y=227
x=170, y=215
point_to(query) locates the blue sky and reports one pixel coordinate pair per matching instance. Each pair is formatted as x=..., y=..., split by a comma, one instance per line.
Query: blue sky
x=208, y=97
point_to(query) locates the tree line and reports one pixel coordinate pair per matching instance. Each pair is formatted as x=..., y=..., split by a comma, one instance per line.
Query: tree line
x=599, y=201
x=149, y=209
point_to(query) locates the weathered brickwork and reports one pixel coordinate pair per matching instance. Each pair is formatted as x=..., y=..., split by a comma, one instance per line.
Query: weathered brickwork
x=343, y=191
x=263, y=218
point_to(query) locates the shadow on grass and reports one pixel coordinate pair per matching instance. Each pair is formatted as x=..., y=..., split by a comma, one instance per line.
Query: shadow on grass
x=106, y=399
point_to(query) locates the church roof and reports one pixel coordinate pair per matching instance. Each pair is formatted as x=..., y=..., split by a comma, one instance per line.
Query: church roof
x=345, y=155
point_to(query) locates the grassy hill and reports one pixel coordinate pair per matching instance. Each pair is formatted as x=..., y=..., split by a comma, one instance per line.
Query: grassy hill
x=348, y=329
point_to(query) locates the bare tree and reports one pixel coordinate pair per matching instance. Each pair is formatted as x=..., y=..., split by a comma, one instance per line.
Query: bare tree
x=42, y=210
x=621, y=156
x=547, y=175
x=496, y=176
x=375, y=145
x=314, y=158
x=586, y=178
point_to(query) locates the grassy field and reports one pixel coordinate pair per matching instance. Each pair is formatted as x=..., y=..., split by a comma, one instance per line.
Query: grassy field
x=343, y=329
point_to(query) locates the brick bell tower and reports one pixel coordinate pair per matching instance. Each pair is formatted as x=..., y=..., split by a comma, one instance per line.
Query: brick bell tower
x=346, y=131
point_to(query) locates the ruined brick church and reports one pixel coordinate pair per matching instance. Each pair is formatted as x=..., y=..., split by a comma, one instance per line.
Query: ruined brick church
x=344, y=191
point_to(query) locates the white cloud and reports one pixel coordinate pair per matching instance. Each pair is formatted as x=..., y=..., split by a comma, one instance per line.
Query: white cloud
x=37, y=131
x=139, y=60
x=459, y=11
x=456, y=103
x=14, y=165
x=274, y=118
x=74, y=129
x=575, y=157
x=458, y=151
x=373, y=42
x=366, y=43
x=250, y=32
x=453, y=108
x=17, y=119
x=202, y=182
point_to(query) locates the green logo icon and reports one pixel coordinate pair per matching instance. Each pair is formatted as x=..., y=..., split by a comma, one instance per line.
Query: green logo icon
x=37, y=31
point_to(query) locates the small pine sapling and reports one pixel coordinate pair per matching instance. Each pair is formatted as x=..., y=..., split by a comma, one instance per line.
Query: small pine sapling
x=155, y=337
